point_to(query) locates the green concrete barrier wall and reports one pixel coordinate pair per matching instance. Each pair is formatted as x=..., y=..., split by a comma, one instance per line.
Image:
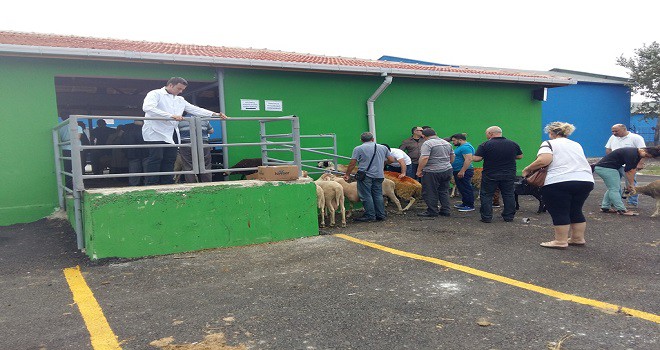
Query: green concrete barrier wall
x=138, y=222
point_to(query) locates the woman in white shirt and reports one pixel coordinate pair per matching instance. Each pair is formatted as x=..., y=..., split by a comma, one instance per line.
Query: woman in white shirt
x=567, y=184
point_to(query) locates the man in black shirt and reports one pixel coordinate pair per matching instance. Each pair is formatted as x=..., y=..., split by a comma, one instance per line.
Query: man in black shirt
x=499, y=156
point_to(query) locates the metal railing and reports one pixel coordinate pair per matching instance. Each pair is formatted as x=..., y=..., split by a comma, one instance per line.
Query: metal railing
x=69, y=169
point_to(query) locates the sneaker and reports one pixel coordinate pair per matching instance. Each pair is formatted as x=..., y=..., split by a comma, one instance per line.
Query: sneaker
x=458, y=205
x=466, y=208
x=426, y=214
x=497, y=206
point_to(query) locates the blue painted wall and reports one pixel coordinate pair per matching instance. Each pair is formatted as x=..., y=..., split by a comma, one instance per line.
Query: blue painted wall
x=593, y=108
x=645, y=128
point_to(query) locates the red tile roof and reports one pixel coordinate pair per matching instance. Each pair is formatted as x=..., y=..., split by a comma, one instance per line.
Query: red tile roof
x=76, y=42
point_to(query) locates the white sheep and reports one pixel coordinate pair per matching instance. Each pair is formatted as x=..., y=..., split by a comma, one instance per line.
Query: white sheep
x=334, y=199
x=351, y=192
x=320, y=203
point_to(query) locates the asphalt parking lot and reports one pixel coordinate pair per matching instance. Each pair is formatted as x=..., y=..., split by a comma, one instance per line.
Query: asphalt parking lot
x=443, y=283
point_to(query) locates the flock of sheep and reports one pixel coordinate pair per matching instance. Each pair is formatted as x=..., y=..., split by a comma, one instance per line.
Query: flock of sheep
x=332, y=191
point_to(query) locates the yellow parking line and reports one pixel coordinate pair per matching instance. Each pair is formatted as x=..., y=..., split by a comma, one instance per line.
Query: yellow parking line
x=549, y=292
x=101, y=334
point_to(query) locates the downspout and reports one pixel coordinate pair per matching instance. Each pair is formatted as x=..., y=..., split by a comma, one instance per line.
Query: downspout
x=371, y=116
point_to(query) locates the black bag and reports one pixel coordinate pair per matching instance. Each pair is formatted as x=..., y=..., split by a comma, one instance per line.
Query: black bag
x=361, y=175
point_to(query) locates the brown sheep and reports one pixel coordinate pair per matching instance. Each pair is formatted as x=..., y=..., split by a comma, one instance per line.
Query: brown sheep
x=351, y=193
x=406, y=188
x=652, y=190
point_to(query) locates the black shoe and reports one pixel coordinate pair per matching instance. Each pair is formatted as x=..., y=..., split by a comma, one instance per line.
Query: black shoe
x=364, y=219
x=381, y=219
x=485, y=221
x=508, y=220
x=427, y=214
x=445, y=214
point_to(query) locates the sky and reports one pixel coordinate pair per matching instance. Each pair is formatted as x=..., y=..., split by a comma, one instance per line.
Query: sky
x=582, y=35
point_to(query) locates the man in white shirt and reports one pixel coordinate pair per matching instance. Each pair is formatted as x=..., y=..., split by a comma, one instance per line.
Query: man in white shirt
x=621, y=138
x=402, y=162
x=166, y=103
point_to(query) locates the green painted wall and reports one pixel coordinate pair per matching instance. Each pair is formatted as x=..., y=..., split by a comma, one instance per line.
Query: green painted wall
x=325, y=103
x=336, y=104
x=193, y=217
x=28, y=111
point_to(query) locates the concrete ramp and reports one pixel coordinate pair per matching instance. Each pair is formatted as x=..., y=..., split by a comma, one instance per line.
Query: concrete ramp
x=133, y=222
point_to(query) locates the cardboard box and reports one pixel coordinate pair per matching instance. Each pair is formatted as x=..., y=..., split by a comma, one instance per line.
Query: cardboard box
x=278, y=173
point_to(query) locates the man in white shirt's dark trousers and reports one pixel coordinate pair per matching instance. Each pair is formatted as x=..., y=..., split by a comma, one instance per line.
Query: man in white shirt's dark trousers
x=166, y=102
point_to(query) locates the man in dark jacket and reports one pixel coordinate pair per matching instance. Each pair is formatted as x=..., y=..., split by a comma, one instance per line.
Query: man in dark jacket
x=499, y=156
x=99, y=136
x=412, y=146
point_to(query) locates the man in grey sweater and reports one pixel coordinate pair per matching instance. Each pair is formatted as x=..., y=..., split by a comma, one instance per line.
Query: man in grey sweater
x=435, y=170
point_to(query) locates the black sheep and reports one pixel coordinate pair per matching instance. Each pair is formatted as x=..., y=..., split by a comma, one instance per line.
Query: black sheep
x=522, y=188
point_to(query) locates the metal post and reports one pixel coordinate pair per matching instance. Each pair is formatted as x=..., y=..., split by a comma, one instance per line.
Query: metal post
x=198, y=145
x=76, y=167
x=264, y=148
x=78, y=185
x=225, y=149
x=220, y=74
x=297, y=158
x=334, y=150
x=78, y=226
x=58, y=168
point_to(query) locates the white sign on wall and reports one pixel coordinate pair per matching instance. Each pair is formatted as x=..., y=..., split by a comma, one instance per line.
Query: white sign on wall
x=272, y=105
x=249, y=105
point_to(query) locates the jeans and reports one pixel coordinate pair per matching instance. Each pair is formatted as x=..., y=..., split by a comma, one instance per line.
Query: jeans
x=160, y=159
x=411, y=171
x=507, y=189
x=370, y=191
x=612, y=180
x=136, y=165
x=634, y=200
x=464, y=186
x=435, y=187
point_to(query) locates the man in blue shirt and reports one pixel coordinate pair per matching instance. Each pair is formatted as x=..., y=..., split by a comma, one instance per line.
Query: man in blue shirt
x=463, y=171
x=371, y=158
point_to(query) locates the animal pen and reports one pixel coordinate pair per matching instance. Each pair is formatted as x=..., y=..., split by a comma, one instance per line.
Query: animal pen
x=153, y=220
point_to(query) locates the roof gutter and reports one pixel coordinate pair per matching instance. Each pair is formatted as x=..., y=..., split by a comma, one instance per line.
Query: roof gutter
x=371, y=115
x=97, y=54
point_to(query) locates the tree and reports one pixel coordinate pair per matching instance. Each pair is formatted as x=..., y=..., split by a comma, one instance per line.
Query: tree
x=645, y=75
